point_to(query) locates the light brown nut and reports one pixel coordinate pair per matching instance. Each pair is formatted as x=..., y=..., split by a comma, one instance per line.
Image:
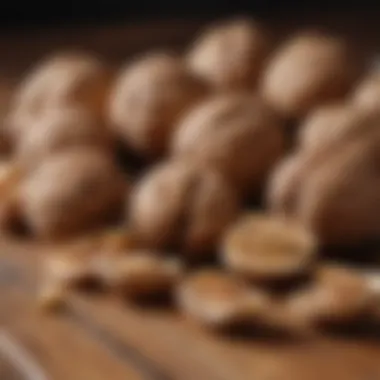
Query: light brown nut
x=333, y=124
x=52, y=297
x=117, y=240
x=65, y=270
x=11, y=176
x=180, y=204
x=229, y=55
x=327, y=134
x=140, y=273
x=6, y=93
x=68, y=265
x=59, y=129
x=70, y=192
x=148, y=97
x=284, y=183
x=325, y=123
x=372, y=278
x=309, y=69
x=265, y=247
x=367, y=94
x=64, y=79
x=339, y=200
x=339, y=294
x=237, y=134
x=218, y=299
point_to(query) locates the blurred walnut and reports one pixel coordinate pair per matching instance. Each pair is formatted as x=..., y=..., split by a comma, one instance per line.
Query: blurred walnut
x=117, y=240
x=334, y=191
x=219, y=299
x=11, y=176
x=180, y=204
x=65, y=79
x=235, y=133
x=309, y=69
x=260, y=246
x=338, y=294
x=70, y=192
x=367, y=94
x=335, y=123
x=325, y=134
x=229, y=55
x=147, y=99
x=339, y=199
x=6, y=92
x=141, y=273
x=60, y=129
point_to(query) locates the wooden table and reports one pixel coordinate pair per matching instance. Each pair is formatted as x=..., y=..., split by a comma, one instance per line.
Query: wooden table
x=102, y=338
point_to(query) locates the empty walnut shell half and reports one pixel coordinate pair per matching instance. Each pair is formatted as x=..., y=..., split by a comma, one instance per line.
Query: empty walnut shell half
x=218, y=299
x=140, y=273
x=338, y=294
x=265, y=247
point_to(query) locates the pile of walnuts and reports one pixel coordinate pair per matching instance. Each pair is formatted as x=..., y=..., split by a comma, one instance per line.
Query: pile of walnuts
x=232, y=122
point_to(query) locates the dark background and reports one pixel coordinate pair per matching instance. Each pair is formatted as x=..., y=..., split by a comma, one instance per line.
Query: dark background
x=39, y=13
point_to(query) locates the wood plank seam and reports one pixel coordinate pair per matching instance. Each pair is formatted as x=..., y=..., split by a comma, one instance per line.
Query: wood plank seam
x=20, y=358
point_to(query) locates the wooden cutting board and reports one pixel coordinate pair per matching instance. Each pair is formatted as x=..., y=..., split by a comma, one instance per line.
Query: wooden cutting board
x=100, y=338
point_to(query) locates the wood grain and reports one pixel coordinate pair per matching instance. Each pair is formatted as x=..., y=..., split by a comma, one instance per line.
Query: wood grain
x=99, y=335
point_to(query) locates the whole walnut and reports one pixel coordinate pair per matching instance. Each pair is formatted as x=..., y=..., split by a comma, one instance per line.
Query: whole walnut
x=148, y=97
x=70, y=192
x=332, y=191
x=64, y=79
x=366, y=96
x=308, y=70
x=6, y=93
x=326, y=123
x=333, y=124
x=322, y=136
x=237, y=134
x=60, y=129
x=229, y=55
x=285, y=180
x=11, y=175
x=340, y=200
x=181, y=205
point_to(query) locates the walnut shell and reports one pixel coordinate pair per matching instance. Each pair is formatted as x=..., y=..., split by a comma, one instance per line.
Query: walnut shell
x=339, y=199
x=339, y=294
x=237, y=134
x=178, y=204
x=64, y=79
x=148, y=97
x=309, y=69
x=367, y=94
x=333, y=124
x=219, y=299
x=60, y=129
x=229, y=55
x=326, y=133
x=71, y=191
